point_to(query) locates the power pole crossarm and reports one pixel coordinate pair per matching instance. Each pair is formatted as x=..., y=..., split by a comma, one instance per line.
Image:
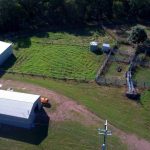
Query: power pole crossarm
x=104, y=132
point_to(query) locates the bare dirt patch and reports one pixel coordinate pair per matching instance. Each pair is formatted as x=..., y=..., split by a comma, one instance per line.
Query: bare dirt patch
x=67, y=109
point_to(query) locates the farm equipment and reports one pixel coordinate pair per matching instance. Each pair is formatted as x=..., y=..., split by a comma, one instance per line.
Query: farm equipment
x=44, y=100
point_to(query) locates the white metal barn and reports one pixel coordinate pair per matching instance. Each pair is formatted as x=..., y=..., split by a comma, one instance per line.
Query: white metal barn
x=18, y=109
x=5, y=51
x=93, y=46
x=105, y=47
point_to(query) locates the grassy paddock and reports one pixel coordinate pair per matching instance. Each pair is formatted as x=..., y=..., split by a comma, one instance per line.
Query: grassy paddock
x=142, y=74
x=58, y=54
x=112, y=70
x=107, y=102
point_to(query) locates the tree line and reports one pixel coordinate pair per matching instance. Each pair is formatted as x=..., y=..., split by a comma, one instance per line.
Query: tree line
x=22, y=14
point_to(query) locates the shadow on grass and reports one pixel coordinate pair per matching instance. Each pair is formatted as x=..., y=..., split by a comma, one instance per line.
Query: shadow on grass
x=33, y=136
x=97, y=52
x=23, y=39
x=23, y=42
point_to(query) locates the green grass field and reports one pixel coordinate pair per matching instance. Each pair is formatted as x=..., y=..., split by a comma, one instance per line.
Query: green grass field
x=65, y=136
x=123, y=113
x=58, y=54
x=142, y=74
x=112, y=70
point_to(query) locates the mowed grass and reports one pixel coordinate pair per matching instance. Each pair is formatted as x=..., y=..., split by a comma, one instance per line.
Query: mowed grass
x=58, y=61
x=142, y=74
x=65, y=136
x=106, y=102
x=112, y=70
x=58, y=54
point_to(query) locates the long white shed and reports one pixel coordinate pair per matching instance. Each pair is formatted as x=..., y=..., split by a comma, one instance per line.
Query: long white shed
x=5, y=51
x=18, y=109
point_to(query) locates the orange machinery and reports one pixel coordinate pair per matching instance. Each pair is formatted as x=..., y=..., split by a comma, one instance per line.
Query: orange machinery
x=44, y=100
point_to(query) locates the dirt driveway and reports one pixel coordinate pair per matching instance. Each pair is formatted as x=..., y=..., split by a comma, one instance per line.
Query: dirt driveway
x=64, y=108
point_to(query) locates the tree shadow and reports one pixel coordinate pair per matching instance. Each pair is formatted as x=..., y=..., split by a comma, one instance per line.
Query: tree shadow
x=23, y=42
x=33, y=136
x=82, y=31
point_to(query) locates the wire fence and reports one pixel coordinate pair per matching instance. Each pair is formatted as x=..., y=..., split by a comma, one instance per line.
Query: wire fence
x=114, y=81
x=81, y=80
x=54, y=42
x=121, y=60
x=103, y=67
x=117, y=82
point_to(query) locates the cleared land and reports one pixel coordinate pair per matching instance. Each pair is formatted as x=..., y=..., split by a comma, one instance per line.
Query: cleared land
x=106, y=102
x=71, y=125
x=58, y=54
x=65, y=109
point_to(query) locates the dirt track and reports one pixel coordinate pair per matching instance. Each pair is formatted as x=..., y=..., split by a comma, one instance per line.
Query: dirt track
x=67, y=109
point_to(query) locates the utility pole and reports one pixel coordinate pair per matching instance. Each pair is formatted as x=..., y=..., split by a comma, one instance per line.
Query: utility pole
x=104, y=132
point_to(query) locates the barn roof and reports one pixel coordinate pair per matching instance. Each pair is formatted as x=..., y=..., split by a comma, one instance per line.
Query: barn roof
x=4, y=46
x=16, y=104
x=106, y=45
x=94, y=43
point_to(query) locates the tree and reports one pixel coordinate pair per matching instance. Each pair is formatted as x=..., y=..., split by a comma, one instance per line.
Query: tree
x=118, y=9
x=139, y=8
x=137, y=36
x=10, y=15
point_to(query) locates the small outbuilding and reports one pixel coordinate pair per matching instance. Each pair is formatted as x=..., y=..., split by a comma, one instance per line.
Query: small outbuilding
x=5, y=51
x=93, y=46
x=18, y=109
x=105, y=47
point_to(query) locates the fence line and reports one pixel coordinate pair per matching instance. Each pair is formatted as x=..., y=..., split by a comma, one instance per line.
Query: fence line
x=83, y=80
x=122, y=52
x=56, y=43
x=128, y=60
x=110, y=81
x=102, y=68
x=122, y=60
x=144, y=64
x=114, y=81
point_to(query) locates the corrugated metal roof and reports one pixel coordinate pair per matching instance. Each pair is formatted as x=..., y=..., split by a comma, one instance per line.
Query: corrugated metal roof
x=106, y=45
x=94, y=43
x=4, y=46
x=16, y=104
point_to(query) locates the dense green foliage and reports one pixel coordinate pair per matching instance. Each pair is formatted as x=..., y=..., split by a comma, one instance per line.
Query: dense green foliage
x=138, y=35
x=25, y=14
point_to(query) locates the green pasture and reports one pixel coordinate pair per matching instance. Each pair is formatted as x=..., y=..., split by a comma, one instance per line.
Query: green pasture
x=57, y=54
x=106, y=102
x=142, y=74
x=112, y=70
x=65, y=136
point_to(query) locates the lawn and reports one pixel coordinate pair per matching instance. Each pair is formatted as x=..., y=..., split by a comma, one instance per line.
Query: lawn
x=107, y=102
x=142, y=74
x=113, y=72
x=65, y=136
x=58, y=54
